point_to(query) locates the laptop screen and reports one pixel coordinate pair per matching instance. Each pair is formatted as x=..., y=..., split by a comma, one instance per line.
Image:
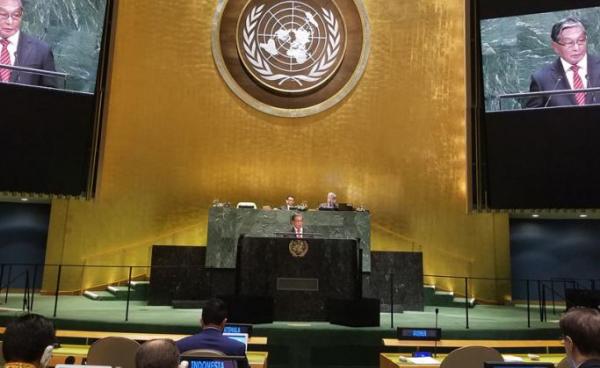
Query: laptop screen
x=241, y=337
x=238, y=328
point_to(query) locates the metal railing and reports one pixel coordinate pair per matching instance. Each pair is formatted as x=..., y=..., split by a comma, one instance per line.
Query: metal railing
x=544, y=291
x=538, y=292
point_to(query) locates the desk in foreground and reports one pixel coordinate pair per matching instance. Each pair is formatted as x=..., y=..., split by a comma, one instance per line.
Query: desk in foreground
x=392, y=360
x=94, y=335
x=257, y=359
x=487, y=343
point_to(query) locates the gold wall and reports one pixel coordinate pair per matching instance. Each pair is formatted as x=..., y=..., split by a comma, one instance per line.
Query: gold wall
x=176, y=138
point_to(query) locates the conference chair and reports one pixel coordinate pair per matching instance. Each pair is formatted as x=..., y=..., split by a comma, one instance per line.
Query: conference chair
x=471, y=357
x=113, y=351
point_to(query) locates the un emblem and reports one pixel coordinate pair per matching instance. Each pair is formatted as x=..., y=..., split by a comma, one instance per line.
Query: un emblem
x=298, y=248
x=291, y=58
x=291, y=46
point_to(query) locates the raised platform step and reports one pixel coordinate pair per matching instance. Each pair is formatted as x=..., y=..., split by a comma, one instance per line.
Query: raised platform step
x=139, y=291
x=120, y=292
x=460, y=300
x=99, y=295
x=442, y=298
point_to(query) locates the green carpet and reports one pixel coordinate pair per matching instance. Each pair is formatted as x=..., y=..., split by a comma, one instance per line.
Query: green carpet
x=294, y=344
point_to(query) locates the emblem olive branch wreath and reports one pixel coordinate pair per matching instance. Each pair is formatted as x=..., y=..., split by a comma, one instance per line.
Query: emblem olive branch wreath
x=263, y=68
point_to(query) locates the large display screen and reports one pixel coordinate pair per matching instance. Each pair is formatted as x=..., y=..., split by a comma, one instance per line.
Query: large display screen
x=53, y=73
x=535, y=101
x=536, y=53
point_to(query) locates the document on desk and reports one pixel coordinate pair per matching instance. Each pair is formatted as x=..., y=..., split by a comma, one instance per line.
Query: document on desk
x=511, y=358
x=423, y=360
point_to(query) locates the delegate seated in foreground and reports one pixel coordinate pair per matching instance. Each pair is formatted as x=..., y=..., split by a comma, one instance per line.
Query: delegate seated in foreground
x=28, y=342
x=160, y=353
x=580, y=328
x=214, y=317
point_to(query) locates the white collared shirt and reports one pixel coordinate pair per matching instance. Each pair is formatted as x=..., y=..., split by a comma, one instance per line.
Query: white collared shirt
x=583, y=71
x=12, y=46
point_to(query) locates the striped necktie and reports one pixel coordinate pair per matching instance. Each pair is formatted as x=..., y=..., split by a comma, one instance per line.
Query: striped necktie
x=4, y=59
x=578, y=84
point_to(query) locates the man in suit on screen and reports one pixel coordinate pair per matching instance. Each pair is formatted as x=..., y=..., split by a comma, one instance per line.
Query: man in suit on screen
x=214, y=318
x=573, y=69
x=20, y=49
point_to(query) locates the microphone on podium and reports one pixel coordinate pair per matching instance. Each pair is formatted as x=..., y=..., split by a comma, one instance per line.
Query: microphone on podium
x=560, y=78
x=589, y=85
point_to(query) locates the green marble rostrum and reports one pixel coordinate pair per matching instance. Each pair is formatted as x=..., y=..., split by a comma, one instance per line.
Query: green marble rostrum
x=226, y=225
x=514, y=47
x=73, y=29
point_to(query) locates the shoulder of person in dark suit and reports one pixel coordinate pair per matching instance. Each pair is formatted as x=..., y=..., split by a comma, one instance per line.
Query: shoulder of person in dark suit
x=593, y=71
x=35, y=53
x=592, y=363
x=547, y=78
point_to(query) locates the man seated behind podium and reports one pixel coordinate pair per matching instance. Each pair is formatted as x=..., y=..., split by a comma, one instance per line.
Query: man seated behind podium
x=580, y=328
x=214, y=317
x=20, y=49
x=573, y=69
x=290, y=203
x=331, y=202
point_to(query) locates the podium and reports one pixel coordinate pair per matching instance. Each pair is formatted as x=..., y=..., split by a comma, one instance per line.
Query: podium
x=300, y=275
x=227, y=225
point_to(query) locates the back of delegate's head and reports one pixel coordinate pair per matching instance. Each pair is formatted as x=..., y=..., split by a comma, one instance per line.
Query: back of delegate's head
x=26, y=338
x=214, y=312
x=563, y=24
x=582, y=325
x=161, y=353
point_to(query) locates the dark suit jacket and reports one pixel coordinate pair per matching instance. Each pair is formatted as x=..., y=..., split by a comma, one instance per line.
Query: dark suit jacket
x=211, y=338
x=591, y=364
x=33, y=53
x=292, y=231
x=552, y=77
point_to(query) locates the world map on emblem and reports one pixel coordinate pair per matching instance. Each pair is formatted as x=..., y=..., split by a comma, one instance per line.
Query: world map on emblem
x=291, y=46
